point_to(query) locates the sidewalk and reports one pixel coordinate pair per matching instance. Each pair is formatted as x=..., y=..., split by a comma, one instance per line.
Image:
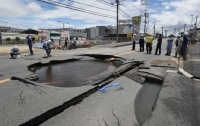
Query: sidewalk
x=5, y=49
x=192, y=65
x=178, y=102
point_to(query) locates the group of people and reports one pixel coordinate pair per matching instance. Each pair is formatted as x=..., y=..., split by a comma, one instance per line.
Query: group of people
x=180, y=44
x=46, y=45
x=69, y=44
x=142, y=40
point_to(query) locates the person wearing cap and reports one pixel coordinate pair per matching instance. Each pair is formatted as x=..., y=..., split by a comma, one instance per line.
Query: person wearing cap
x=141, y=42
x=169, y=44
x=178, y=45
x=14, y=51
x=159, y=43
x=149, y=40
x=184, y=45
x=47, y=47
x=30, y=44
x=133, y=40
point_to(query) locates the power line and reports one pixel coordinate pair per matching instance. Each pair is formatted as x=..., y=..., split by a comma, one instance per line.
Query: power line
x=135, y=7
x=106, y=3
x=91, y=5
x=127, y=8
x=78, y=9
x=124, y=15
x=124, y=12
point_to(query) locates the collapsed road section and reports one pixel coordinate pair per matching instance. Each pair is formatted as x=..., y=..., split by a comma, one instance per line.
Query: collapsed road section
x=54, y=100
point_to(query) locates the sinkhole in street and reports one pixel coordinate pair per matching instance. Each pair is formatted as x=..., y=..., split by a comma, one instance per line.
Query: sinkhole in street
x=74, y=73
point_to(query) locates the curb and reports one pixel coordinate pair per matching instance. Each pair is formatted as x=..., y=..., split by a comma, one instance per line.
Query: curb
x=180, y=67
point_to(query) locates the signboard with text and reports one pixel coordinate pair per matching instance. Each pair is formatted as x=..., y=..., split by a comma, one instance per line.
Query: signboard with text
x=64, y=34
x=43, y=36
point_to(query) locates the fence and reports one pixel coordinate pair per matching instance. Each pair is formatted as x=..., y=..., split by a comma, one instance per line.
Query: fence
x=108, y=40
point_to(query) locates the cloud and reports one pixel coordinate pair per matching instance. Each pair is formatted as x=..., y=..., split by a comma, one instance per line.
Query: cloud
x=167, y=7
x=175, y=18
x=35, y=14
x=17, y=8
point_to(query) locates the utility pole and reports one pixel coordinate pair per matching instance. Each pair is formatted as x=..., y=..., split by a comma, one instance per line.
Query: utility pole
x=166, y=32
x=117, y=1
x=196, y=22
x=162, y=30
x=154, y=32
x=184, y=27
x=174, y=31
x=195, y=32
x=145, y=21
x=191, y=22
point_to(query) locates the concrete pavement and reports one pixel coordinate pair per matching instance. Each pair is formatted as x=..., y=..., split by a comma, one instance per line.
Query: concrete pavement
x=23, y=96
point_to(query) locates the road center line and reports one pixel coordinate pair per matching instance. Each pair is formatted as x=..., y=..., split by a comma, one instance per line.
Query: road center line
x=3, y=81
x=124, y=53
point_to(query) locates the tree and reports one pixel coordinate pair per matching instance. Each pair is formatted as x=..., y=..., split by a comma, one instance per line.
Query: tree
x=17, y=39
x=8, y=40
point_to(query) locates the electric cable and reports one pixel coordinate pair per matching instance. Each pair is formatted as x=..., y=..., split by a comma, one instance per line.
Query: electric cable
x=77, y=9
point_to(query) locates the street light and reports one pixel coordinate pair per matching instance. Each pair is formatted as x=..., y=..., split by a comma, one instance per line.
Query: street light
x=191, y=22
x=184, y=27
x=63, y=24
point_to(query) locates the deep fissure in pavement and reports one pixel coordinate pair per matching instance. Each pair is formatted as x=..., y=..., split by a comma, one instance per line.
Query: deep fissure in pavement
x=145, y=100
x=118, y=71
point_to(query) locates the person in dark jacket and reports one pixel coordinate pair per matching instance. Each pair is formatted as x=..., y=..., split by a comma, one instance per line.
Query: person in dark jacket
x=141, y=42
x=184, y=45
x=65, y=44
x=30, y=44
x=159, y=43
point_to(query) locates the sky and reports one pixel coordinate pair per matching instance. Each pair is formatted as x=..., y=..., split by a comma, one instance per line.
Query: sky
x=171, y=14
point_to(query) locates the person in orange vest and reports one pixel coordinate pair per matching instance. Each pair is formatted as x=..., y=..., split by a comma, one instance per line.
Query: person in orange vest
x=149, y=40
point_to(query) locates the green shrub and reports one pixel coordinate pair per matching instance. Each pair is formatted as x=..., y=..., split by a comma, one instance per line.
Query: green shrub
x=33, y=39
x=8, y=40
x=52, y=40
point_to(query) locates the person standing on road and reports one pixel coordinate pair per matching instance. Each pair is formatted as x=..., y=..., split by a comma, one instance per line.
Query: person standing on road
x=149, y=40
x=169, y=45
x=184, y=45
x=141, y=42
x=14, y=51
x=30, y=44
x=74, y=43
x=1, y=39
x=65, y=44
x=178, y=45
x=133, y=40
x=159, y=43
